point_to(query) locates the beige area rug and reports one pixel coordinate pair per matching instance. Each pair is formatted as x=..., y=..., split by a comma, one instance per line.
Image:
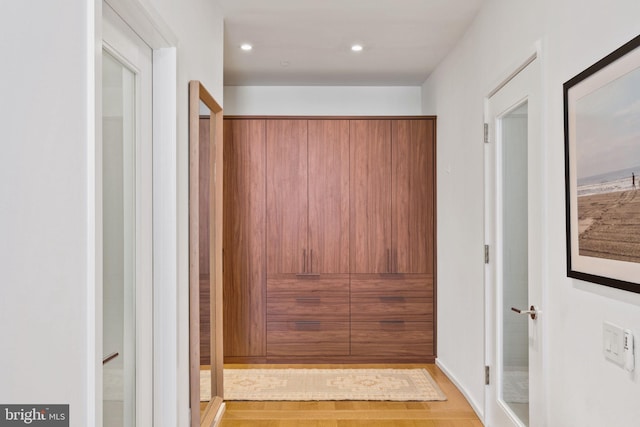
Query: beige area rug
x=327, y=384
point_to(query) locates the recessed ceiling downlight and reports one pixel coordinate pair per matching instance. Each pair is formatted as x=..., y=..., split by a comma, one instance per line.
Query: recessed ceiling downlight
x=356, y=48
x=246, y=47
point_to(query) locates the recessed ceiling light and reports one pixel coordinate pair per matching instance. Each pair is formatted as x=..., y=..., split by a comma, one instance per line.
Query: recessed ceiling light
x=246, y=47
x=356, y=47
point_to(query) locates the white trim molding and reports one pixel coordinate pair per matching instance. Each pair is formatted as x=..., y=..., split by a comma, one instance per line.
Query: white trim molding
x=478, y=409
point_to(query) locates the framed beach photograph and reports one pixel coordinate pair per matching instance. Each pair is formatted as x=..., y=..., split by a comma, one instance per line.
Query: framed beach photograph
x=602, y=161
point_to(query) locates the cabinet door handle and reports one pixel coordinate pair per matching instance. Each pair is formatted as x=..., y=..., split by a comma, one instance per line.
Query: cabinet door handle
x=392, y=322
x=311, y=262
x=394, y=260
x=388, y=260
x=304, y=260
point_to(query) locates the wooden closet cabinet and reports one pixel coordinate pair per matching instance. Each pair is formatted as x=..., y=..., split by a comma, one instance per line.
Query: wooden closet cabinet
x=329, y=240
x=392, y=239
x=392, y=195
x=307, y=196
x=308, y=238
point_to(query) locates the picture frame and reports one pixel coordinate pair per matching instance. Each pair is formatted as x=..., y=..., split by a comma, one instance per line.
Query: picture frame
x=602, y=170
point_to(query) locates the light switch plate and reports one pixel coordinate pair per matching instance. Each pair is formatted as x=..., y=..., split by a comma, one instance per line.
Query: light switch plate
x=613, y=343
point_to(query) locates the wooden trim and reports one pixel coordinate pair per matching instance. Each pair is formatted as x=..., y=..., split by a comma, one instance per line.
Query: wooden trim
x=194, y=251
x=330, y=117
x=216, y=284
x=208, y=416
x=198, y=93
x=206, y=97
x=435, y=238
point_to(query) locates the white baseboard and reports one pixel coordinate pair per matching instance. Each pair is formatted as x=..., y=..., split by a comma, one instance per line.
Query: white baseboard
x=474, y=405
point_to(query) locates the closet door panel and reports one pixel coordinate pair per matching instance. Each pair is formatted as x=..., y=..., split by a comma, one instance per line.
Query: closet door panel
x=287, y=196
x=244, y=238
x=413, y=196
x=370, y=164
x=328, y=153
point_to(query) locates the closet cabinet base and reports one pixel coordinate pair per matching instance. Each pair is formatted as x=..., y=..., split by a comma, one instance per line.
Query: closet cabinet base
x=328, y=360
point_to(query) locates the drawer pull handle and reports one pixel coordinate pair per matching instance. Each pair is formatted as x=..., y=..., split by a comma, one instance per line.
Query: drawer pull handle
x=307, y=325
x=308, y=299
x=392, y=322
x=307, y=275
x=392, y=299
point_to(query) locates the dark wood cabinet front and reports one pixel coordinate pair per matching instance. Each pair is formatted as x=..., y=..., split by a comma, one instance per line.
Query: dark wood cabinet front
x=329, y=240
x=244, y=260
x=413, y=194
x=370, y=164
x=328, y=152
x=287, y=197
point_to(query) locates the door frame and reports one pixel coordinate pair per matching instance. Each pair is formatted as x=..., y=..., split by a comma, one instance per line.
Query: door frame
x=534, y=54
x=129, y=50
x=168, y=398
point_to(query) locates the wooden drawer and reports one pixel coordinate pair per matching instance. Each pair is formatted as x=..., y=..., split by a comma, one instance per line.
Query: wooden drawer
x=390, y=307
x=311, y=298
x=392, y=338
x=307, y=338
x=392, y=297
x=406, y=285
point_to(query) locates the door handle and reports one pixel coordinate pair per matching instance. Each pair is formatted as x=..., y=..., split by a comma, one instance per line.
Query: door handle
x=533, y=312
x=110, y=357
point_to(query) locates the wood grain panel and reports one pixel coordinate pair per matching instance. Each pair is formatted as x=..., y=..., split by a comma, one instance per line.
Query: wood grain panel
x=287, y=196
x=370, y=199
x=391, y=307
x=205, y=321
x=244, y=238
x=413, y=197
x=320, y=298
x=372, y=285
x=307, y=338
x=392, y=338
x=328, y=147
x=204, y=199
x=204, y=192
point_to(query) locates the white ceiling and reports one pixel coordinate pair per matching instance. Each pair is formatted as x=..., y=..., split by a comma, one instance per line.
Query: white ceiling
x=308, y=42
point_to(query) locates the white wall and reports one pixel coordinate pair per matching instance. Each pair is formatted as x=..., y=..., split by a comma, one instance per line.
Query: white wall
x=43, y=203
x=198, y=25
x=46, y=275
x=322, y=100
x=583, y=389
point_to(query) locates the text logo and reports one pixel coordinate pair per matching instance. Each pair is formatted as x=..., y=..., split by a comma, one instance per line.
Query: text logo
x=34, y=415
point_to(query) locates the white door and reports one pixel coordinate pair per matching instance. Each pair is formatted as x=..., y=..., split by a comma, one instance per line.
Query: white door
x=513, y=274
x=126, y=224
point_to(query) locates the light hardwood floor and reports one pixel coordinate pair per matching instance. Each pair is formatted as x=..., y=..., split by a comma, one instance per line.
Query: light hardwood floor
x=455, y=412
